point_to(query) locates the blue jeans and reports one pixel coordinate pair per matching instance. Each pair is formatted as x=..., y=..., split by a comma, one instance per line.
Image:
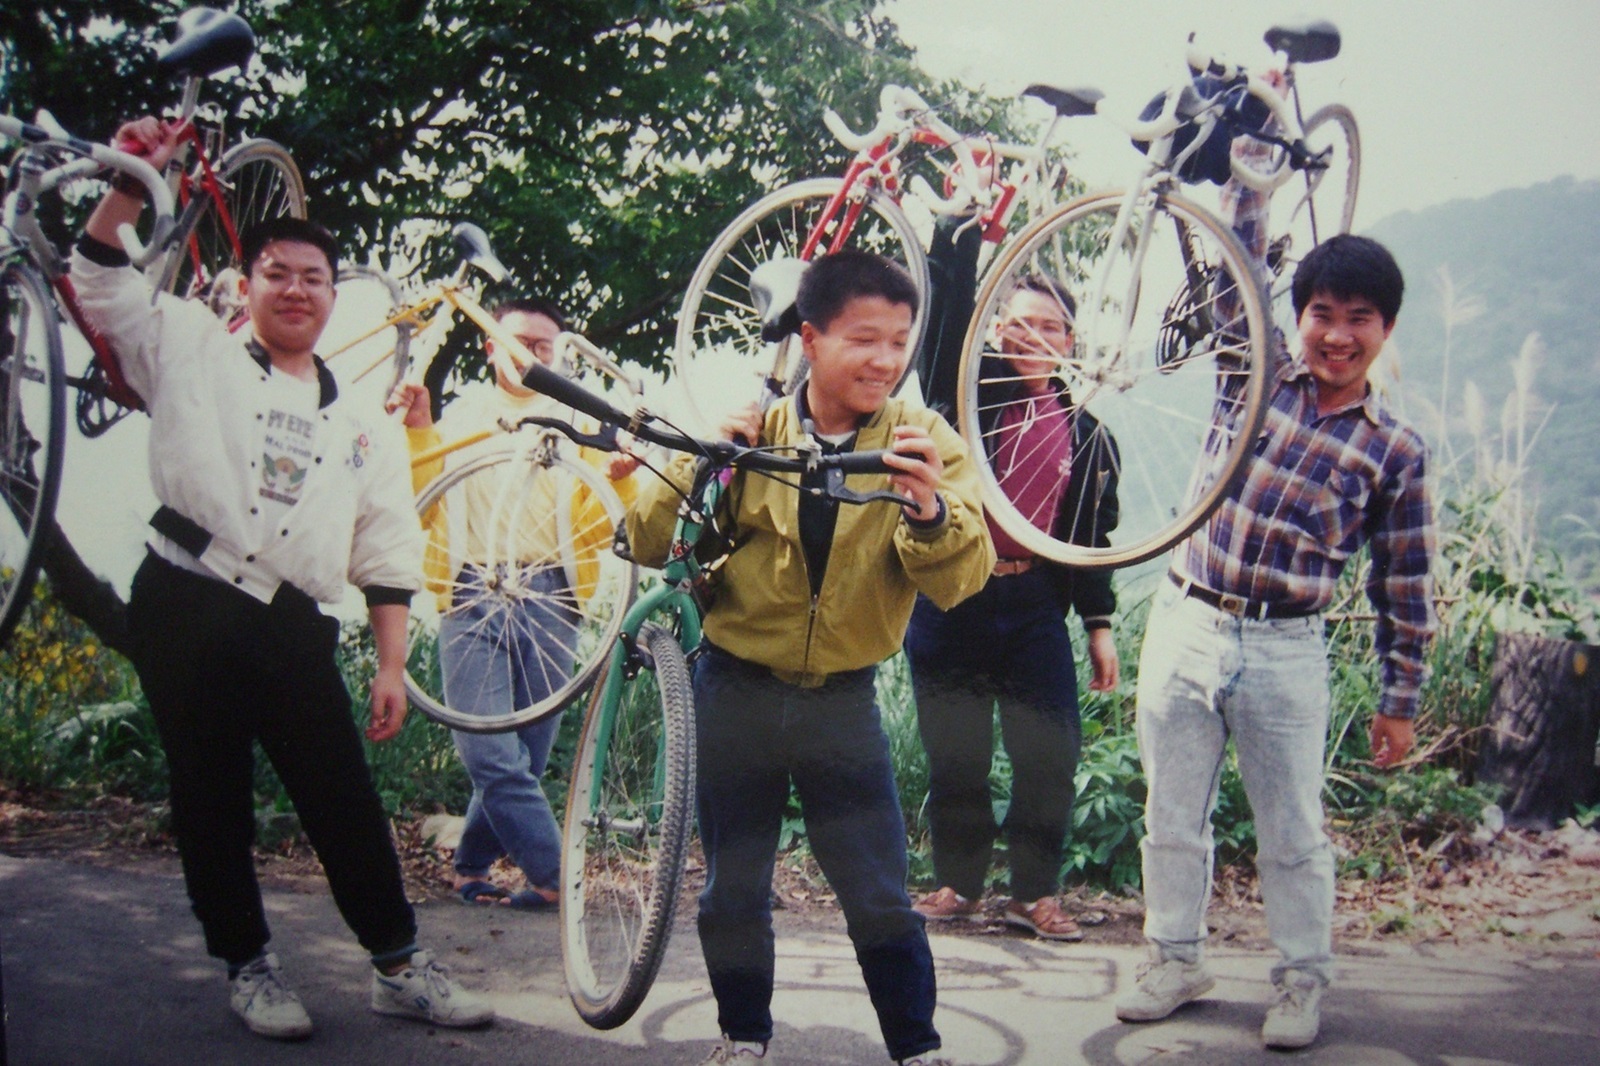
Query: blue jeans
x=756, y=734
x=495, y=656
x=1205, y=676
x=1006, y=646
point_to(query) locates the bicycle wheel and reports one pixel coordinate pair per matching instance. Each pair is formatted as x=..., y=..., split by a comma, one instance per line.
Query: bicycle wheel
x=365, y=345
x=33, y=423
x=526, y=594
x=719, y=358
x=1318, y=203
x=1160, y=387
x=627, y=832
x=258, y=180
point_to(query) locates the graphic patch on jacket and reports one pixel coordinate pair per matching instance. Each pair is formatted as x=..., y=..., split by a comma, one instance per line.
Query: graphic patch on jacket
x=286, y=456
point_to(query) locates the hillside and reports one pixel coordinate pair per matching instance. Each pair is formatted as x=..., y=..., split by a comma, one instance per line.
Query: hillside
x=1527, y=261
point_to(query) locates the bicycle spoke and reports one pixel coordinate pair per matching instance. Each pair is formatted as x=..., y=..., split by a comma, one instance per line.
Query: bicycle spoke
x=532, y=596
x=1153, y=374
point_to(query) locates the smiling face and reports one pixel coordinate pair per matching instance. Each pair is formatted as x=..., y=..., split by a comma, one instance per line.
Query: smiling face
x=856, y=361
x=1340, y=338
x=1035, y=335
x=537, y=333
x=290, y=295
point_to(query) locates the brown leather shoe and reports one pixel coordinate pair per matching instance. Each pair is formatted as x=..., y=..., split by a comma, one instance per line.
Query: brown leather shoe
x=1044, y=918
x=947, y=905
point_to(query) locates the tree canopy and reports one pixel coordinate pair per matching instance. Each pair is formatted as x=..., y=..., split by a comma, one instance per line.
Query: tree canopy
x=601, y=143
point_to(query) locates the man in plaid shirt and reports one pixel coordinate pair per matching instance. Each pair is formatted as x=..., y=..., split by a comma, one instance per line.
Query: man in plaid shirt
x=1234, y=645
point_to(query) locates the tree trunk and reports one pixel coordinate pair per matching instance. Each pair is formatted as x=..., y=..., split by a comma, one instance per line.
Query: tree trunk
x=1543, y=718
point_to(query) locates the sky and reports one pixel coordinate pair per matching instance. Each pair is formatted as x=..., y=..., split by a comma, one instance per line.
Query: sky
x=1453, y=99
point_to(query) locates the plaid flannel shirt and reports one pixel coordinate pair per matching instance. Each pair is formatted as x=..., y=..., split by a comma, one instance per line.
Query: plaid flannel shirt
x=1318, y=489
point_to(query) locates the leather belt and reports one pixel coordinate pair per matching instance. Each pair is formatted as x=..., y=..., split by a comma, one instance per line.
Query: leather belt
x=1237, y=606
x=1008, y=567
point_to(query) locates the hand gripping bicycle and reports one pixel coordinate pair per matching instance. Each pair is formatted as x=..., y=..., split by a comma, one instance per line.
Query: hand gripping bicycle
x=1158, y=378
x=629, y=806
x=254, y=180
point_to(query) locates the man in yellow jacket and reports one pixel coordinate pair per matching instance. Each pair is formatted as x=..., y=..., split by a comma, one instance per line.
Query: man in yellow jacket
x=811, y=599
x=496, y=654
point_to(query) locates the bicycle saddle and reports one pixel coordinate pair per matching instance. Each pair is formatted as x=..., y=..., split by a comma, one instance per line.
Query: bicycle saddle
x=1305, y=42
x=773, y=288
x=1069, y=103
x=208, y=40
x=472, y=244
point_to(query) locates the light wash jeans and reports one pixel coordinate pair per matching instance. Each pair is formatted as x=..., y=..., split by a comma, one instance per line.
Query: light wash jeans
x=490, y=656
x=1205, y=676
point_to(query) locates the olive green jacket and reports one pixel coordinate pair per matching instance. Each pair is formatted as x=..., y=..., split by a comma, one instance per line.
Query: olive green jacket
x=764, y=611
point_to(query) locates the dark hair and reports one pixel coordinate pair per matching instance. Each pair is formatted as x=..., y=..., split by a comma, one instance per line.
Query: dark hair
x=1346, y=267
x=530, y=305
x=1050, y=287
x=287, y=228
x=834, y=280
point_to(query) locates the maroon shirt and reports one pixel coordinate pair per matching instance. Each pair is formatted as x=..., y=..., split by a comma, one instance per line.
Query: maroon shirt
x=1032, y=464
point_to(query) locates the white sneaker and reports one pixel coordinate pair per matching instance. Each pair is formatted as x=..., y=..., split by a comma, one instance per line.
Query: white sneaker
x=266, y=1004
x=1294, y=1019
x=924, y=1060
x=730, y=1050
x=425, y=990
x=1162, y=987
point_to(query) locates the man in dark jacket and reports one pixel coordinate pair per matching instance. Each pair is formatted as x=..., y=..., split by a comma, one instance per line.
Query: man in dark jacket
x=1008, y=646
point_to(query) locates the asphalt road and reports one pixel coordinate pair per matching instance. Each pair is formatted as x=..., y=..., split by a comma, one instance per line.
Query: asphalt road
x=106, y=966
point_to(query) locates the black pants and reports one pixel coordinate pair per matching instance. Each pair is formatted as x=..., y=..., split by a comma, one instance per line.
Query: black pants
x=1007, y=648
x=221, y=670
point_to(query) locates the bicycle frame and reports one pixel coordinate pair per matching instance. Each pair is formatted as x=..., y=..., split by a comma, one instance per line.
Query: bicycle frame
x=670, y=594
x=906, y=118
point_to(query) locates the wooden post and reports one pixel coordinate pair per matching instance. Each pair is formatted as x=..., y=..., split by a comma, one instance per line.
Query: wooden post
x=1543, y=720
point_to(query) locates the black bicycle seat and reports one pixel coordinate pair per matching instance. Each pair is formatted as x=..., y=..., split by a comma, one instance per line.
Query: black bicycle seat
x=774, y=285
x=1305, y=42
x=1069, y=103
x=208, y=40
x=472, y=244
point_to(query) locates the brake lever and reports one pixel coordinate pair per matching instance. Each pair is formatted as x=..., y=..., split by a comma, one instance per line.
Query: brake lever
x=605, y=440
x=833, y=486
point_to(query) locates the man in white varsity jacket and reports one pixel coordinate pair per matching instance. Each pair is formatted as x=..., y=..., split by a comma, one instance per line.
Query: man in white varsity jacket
x=273, y=494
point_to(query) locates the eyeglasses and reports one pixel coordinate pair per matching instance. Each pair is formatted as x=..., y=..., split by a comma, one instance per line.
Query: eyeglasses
x=312, y=281
x=1049, y=328
x=540, y=347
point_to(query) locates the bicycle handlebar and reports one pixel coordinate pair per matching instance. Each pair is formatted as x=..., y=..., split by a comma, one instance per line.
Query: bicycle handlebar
x=595, y=356
x=902, y=111
x=1200, y=61
x=896, y=105
x=91, y=158
x=720, y=453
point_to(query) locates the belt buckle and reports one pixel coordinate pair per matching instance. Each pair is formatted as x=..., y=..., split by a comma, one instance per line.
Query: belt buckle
x=1234, y=605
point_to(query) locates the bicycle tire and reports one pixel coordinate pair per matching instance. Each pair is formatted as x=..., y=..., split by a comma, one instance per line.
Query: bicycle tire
x=629, y=816
x=1149, y=408
x=367, y=345
x=563, y=609
x=260, y=181
x=33, y=423
x=719, y=332
x=1316, y=204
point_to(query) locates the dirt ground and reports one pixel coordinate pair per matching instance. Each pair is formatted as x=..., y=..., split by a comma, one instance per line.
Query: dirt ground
x=1520, y=890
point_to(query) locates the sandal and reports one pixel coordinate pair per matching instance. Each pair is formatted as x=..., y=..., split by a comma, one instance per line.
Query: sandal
x=531, y=899
x=1044, y=918
x=482, y=894
x=947, y=905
